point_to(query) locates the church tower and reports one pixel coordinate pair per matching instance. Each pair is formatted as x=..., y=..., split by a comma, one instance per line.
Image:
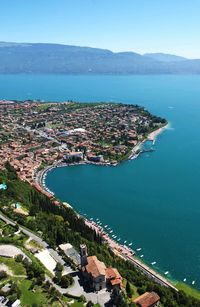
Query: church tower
x=83, y=254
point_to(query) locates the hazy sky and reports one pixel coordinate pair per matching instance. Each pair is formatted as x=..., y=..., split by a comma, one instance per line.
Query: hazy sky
x=171, y=26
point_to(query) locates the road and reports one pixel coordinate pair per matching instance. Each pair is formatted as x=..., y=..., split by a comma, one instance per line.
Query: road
x=54, y=254
x=77, y=289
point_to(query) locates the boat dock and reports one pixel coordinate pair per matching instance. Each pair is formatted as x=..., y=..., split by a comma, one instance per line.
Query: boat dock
x=128, y=254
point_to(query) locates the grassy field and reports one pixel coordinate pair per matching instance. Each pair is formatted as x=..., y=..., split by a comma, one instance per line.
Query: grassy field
x=28, y=297
x=188, y=290
x=37, y=296
x=17, y=268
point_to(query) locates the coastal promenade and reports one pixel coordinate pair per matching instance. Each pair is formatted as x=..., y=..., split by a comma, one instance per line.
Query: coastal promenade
x=127, y=254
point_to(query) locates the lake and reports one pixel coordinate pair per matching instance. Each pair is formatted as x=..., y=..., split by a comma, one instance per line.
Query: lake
x=153, y=201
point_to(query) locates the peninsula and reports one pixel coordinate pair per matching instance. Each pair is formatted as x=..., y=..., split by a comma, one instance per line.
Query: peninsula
x=35, y=135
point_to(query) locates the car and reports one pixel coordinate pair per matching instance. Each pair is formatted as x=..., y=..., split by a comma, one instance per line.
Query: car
x=4, y=300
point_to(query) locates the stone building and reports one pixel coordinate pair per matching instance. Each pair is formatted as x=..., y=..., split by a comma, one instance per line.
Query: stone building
x=95, y=273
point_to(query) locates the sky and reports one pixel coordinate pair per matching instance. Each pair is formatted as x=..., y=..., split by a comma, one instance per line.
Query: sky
x=170, y=26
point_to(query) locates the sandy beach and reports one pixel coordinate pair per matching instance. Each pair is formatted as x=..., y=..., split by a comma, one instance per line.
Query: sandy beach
x=153, y=135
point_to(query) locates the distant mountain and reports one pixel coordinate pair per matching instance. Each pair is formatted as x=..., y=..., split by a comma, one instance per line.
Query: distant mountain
x=64, y=59
x=164, y=57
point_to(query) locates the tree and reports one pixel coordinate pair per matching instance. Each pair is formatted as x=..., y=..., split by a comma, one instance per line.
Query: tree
x=90, y=304
x=3, y=274
x=19, y=258
x=40, y=279
x=128, y=289
x=59, y=267
x=66, y=281
x=117, y=298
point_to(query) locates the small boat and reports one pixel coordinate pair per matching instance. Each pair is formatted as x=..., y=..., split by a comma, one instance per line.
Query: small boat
x=118, y=239
x=167, y=272
x=141, y=256
x=111, y=231
x=184, y=279
x=125, y=242
x=130, y=244
x=193, y=282
x=154, y=262
x=138, y=249
x=113, y=236
x=106, y=226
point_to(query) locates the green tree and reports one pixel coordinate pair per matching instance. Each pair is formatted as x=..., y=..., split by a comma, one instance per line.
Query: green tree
x=128, y=289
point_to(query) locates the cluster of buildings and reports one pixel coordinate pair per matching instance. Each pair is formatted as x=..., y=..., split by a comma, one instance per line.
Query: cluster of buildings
x=96, y=274
x=35, y=134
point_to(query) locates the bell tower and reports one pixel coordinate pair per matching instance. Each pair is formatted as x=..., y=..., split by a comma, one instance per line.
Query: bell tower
x=83, y=254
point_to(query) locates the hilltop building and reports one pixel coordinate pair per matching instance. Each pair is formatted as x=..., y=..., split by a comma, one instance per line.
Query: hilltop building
x=96, y=274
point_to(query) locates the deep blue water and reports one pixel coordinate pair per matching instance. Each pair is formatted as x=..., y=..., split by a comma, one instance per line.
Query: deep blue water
x=153, y=201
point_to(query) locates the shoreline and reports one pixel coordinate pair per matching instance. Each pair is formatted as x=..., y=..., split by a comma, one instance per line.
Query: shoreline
x=135, y=152
x=125, y=252
x=122, y=251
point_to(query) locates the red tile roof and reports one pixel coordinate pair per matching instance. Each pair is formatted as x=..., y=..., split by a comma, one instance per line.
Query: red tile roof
x=147, y=299
x=95, y=267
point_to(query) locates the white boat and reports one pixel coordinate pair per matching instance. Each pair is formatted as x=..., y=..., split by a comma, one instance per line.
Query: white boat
x=118, y=239
x=130, y=244
x=141, y=256
x=154, y=262
x=138, y=249
x=193, y=282
x=111, y=231
x=125, y=242
x=106, y=226
x=166, y=272
x=184, y=279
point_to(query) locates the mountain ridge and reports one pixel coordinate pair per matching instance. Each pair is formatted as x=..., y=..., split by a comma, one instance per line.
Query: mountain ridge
x=68, y=59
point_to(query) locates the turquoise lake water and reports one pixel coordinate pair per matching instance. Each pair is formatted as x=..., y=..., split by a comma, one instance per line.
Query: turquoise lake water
x=153, y=201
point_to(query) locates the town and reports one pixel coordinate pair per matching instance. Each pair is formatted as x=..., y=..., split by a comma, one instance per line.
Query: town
x=35, y=135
